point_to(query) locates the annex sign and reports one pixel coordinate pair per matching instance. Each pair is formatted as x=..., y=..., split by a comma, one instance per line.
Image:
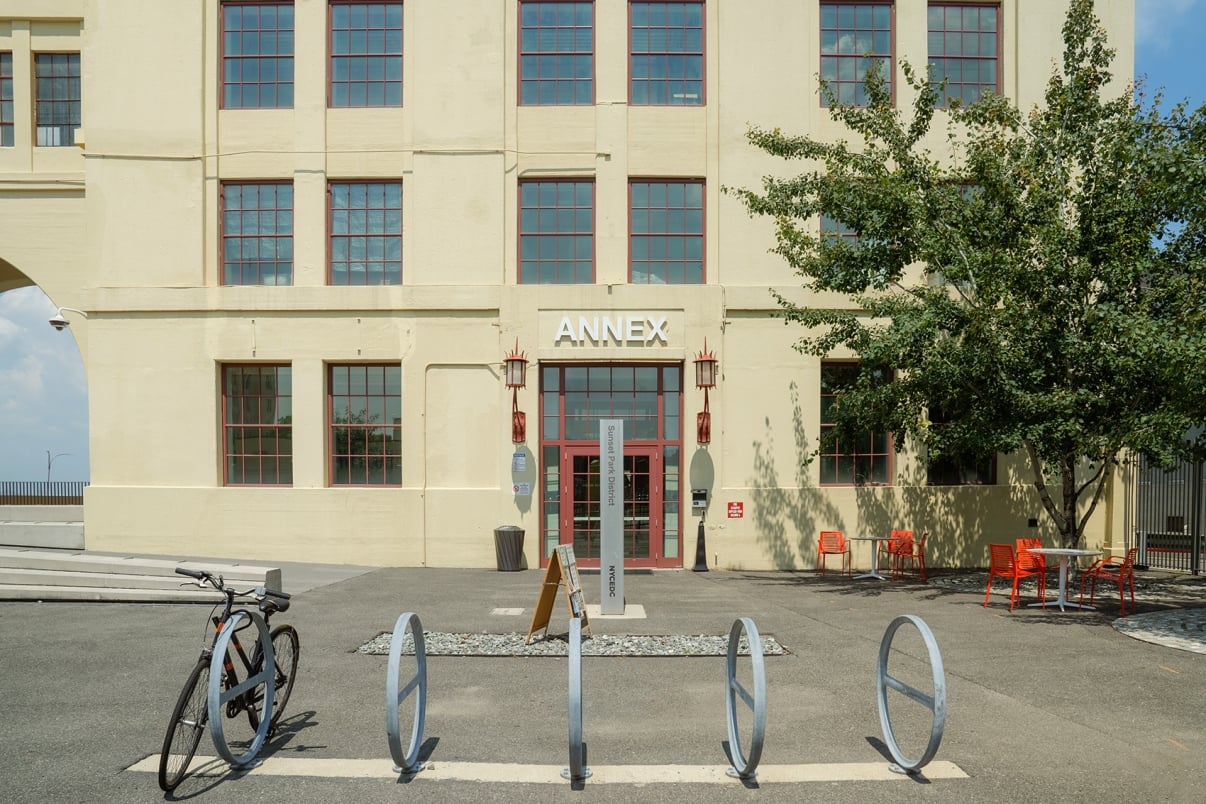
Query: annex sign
x=643, y=329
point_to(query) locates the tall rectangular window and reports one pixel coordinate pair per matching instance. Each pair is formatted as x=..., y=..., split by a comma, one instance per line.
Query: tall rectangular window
x=257, y=55
x=964, y=46
x=365, y=225
x=257, y=429
x=865, y=461
x=6, y=99
x=366, y=53
x=365, y=404
x=257, y=233
x=833, y=228
x=556, y=53
x=666, y=63
x=666, y=220
x=556, y=232
x=853, y=37
x=57, y=98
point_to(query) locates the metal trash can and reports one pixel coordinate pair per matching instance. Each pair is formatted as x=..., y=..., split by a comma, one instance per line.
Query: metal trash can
x=508, y=548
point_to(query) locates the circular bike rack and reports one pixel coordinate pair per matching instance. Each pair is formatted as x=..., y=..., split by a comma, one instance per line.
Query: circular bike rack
x=936, y=703
x=406, y=761
x=218, y=695
x=744, y=765
x=577, y=770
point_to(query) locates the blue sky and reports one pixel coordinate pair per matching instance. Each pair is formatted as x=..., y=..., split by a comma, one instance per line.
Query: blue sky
x=43, y=392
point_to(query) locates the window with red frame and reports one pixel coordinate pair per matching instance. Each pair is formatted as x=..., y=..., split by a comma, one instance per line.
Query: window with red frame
x=865, y=460
x=959, y=470
x=556, y=232
x=853, y=37
x=366, y=53
x=57, y=98
x=556, y=53
x=257, y=429
x=6, y=99
x=257, y=233
x=666, y=59
x=667, y=232
x=365, y=225
x=964, y=48
x=365, y=425
x=257, y=55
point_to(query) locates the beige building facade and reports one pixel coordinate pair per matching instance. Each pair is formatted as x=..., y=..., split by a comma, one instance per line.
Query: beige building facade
x=306, y=235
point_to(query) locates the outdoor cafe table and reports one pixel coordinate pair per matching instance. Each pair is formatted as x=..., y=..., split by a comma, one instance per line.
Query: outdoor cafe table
x=875, y=540
x=1066, y=554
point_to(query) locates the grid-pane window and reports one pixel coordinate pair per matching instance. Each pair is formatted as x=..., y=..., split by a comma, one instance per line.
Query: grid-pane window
x=257, y=234
x=666, y=60
x=257, y=55
x=6, y=99
x=853, y=37
x=964, y=45
x=365, y=425
x=556, y=232
x=832, y=227
x=257, y=425
x=556, y=53
x=959, y=470
x=366, y=54
x=57, y=92
x=366, y=233
x=865, y=460
x=667, y=222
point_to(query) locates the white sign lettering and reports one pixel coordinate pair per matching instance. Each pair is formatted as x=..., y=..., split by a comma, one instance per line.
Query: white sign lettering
x=618, y=330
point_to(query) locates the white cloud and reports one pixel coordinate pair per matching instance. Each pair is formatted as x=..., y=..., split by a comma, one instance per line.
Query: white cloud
x=1156, y=20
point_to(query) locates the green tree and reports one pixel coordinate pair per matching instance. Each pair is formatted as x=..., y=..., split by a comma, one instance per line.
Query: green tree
x=1038, y=279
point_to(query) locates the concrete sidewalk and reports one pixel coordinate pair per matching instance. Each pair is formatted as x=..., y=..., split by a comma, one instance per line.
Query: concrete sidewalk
x=1042, y=705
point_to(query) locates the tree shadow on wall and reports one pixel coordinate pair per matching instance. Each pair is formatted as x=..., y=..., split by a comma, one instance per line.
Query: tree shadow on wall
x=787, y=518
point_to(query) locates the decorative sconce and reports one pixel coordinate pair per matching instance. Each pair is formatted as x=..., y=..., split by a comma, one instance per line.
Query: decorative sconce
x=515, y=374
x=705, y=378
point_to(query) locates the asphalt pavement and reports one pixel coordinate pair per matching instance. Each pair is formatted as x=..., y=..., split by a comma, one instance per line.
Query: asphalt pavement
x=1042, y=706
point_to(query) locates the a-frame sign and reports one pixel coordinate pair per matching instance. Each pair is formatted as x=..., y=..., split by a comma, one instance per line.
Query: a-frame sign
x=562, y=566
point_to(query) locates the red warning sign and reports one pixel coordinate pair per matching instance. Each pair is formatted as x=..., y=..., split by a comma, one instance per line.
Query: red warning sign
x=736, y=510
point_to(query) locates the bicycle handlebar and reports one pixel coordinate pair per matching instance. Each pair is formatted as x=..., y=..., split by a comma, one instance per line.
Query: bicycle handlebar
x=258, y=592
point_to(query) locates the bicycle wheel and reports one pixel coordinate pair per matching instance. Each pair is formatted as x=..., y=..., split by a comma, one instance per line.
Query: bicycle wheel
x=285, y=649
x=185, y=728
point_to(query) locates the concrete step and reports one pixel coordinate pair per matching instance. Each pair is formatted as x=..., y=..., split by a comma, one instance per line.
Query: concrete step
x=34, y=574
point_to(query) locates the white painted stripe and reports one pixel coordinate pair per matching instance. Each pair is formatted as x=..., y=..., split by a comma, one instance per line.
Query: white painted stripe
x=498, y=772
x=632, y=611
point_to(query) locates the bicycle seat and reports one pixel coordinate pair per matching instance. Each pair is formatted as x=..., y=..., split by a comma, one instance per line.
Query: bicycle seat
x=271, y=605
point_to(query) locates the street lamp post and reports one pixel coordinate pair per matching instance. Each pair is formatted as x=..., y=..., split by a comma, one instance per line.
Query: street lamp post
x=50, y=462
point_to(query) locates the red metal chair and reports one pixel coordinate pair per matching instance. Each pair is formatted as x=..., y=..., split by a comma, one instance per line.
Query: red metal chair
x=898, y=543
x=1003, y=563
x=1115, y=569
x=832, y=542
x=912, y=553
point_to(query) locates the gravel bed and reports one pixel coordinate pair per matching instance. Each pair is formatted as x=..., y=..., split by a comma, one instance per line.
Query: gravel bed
x=442, y=644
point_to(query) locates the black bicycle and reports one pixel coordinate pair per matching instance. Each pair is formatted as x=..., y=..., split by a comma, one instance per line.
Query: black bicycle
x=243, y=687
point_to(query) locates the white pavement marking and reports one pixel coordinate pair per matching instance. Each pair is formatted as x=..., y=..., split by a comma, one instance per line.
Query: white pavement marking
x=507, y=612
x=498, y=772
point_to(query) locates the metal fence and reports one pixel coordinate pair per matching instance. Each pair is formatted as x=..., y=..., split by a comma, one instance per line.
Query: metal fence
x=1169, y=516
x=38, y=492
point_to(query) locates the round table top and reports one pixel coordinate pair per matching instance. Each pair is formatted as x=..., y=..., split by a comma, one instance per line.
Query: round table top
x=1062, y=551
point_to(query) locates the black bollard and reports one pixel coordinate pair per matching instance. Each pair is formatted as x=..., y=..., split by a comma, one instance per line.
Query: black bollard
x=701, y=550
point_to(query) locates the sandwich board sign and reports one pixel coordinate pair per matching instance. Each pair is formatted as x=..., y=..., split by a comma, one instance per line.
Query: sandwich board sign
x=562, y=566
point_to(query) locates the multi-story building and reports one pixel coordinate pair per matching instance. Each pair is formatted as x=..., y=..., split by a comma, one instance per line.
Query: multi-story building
x=307, y=234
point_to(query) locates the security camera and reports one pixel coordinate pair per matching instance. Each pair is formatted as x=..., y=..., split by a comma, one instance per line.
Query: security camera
x=59, y=323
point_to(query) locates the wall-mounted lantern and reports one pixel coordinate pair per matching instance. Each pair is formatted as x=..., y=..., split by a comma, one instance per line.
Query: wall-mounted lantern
x=515, y=373
x=705, y=378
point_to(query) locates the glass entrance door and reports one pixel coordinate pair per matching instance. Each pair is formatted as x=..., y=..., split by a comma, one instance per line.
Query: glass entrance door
x=642, y=532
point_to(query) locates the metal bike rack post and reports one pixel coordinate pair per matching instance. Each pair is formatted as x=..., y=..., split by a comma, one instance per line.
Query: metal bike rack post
x=936, y=704
x=406, y=761
x=218, y=696
x=744, y=766
x=577, y=770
